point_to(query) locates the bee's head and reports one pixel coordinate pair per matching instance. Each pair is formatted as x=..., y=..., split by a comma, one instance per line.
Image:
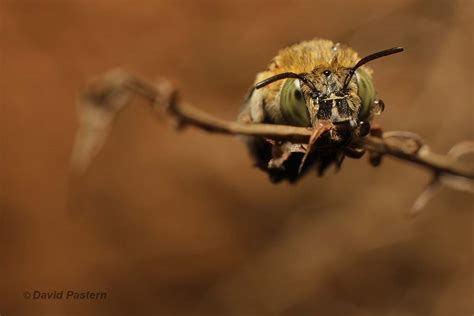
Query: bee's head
x=327, y=92
x=330, y=100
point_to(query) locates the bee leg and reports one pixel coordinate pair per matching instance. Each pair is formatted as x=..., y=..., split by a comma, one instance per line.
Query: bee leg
x=354, y=152
x=339, y=161
x=364, y=129
x=281, y=152
x=322, y=127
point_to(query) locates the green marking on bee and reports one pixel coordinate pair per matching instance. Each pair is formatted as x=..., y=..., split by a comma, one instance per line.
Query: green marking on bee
x=293, y=105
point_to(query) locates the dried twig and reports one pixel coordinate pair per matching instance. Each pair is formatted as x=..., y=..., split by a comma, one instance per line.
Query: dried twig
x=106, y=96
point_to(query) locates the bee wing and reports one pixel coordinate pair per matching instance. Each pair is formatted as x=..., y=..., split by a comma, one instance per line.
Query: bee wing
x=252, y=110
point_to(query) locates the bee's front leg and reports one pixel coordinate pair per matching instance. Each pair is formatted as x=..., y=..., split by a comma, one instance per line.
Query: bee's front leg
x=321, y=128
x=354, y=151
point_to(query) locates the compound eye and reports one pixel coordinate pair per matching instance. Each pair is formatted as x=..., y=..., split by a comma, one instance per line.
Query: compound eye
x=366, y=92
x=293, y=104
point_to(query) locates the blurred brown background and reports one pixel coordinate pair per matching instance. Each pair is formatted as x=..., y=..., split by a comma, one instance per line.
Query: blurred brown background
x=174, y=223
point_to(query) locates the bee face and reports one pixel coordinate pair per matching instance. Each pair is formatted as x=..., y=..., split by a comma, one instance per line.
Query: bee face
x=332, y=101
x=325, y=98
x=315, y=81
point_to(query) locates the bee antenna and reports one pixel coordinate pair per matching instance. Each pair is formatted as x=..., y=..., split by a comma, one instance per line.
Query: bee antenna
x=366, y=59
x=285, y=75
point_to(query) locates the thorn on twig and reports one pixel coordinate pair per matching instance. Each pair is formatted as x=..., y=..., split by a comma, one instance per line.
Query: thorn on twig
x=428, y=193
x=452, y=181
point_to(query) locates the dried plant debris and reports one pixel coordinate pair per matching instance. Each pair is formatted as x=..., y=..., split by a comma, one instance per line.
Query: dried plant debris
x=98, y=106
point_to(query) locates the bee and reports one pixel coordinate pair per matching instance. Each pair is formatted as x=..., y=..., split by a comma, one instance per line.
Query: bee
x=317, y=84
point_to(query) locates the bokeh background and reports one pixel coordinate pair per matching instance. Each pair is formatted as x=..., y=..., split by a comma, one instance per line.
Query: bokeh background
x=172, y=223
